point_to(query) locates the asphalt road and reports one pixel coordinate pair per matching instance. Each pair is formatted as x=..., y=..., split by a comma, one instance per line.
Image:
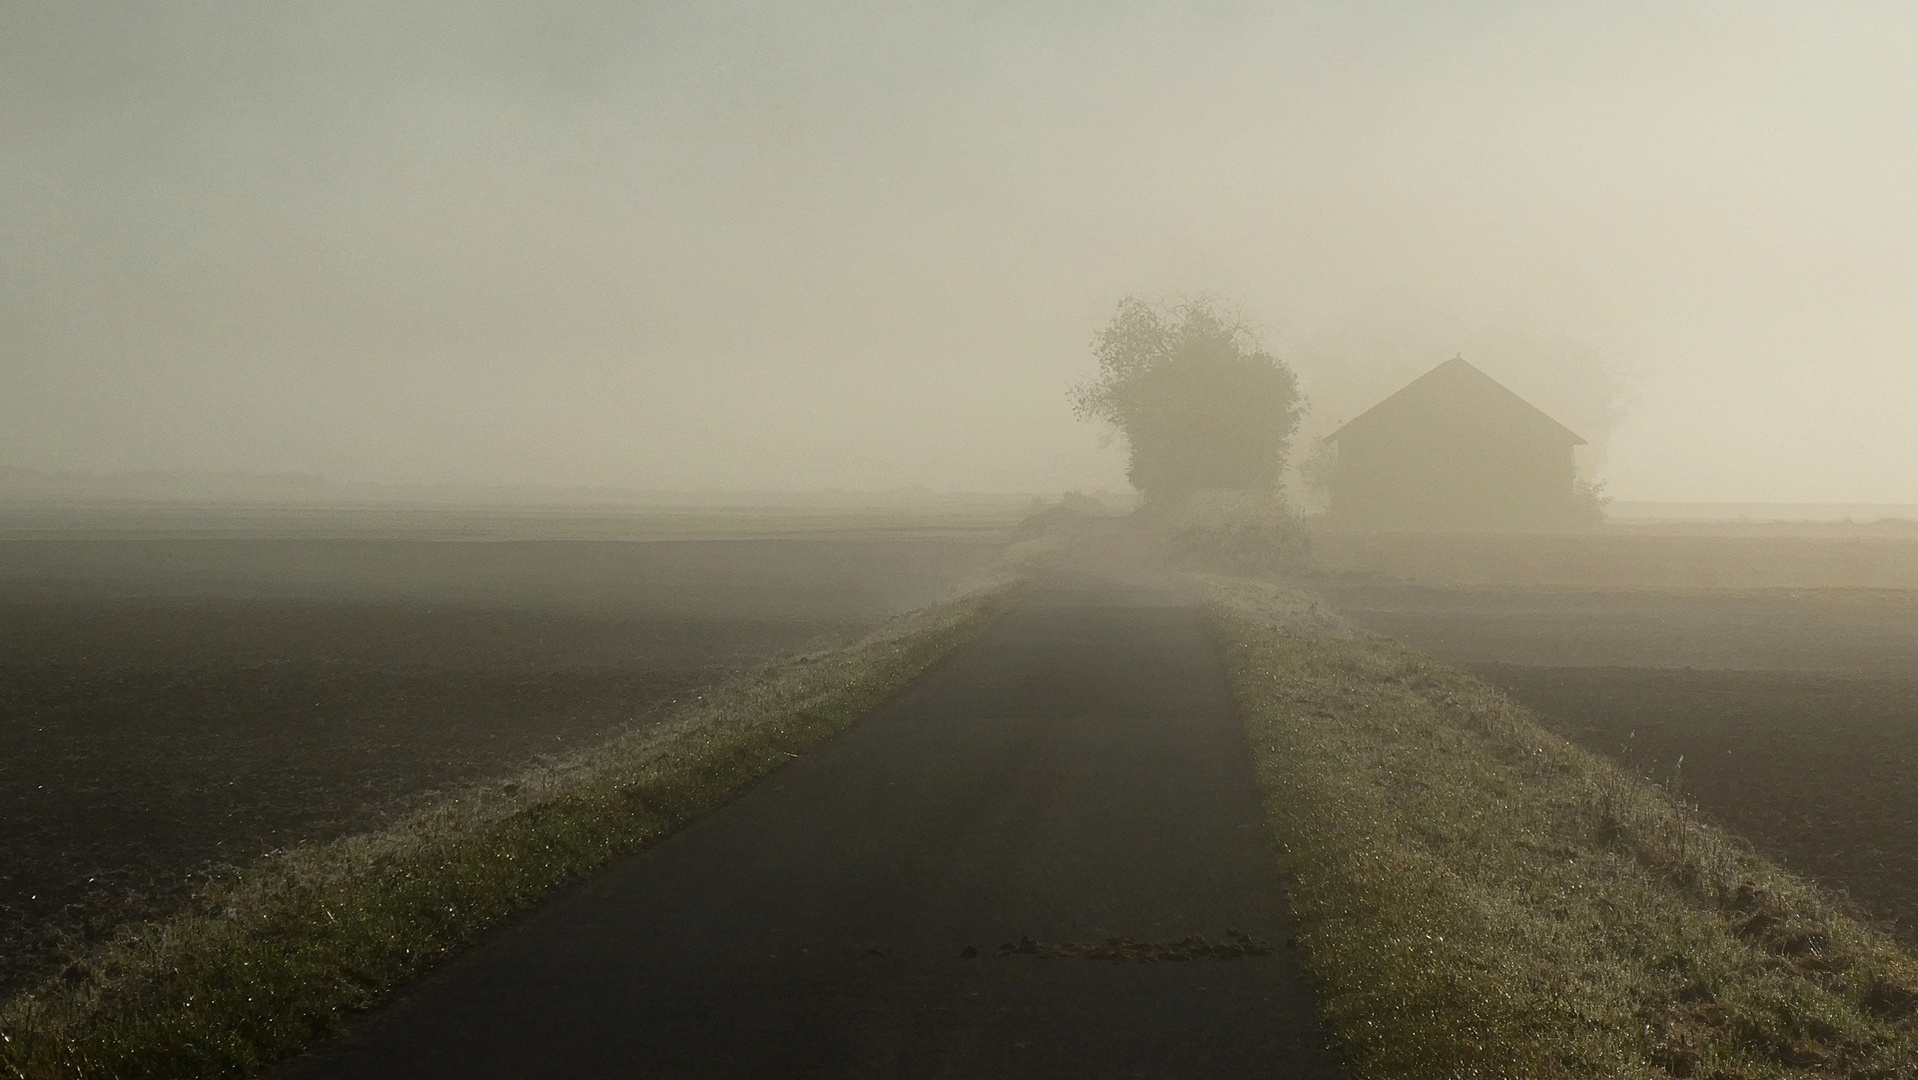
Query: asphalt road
x=1075, y=777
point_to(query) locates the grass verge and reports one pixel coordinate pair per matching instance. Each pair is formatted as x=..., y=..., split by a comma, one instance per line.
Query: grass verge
x=1479, y=898
x=295, y=946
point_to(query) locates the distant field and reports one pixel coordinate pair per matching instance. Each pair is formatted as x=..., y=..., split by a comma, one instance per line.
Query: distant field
x=1795, y=711
x=953, y=518
x=179, y=695
x=1666, y=555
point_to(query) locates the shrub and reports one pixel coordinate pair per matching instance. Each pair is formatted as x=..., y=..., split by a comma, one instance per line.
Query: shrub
x=1235, y=532
x=1066, y=516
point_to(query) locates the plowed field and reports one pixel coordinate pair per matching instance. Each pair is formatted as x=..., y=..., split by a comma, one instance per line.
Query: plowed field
x=173, y=706
x=1790, y=716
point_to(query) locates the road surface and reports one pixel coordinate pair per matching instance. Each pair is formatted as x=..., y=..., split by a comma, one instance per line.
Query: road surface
x=1073, y=778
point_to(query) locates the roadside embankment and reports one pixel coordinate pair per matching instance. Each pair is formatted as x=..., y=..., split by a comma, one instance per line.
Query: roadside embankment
x=1480, y=898
x=294, y=946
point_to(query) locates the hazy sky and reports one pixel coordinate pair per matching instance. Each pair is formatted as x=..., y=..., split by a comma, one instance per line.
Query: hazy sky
x=785, y=246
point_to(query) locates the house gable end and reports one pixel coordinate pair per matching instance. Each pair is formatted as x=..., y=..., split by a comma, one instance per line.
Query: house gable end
x=1457, y=389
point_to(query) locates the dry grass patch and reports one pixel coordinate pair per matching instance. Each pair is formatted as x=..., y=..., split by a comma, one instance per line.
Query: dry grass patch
x=1479, y=898
x=295, y=946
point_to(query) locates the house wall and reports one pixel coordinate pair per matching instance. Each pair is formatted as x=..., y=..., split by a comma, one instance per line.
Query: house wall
x=1448, y=474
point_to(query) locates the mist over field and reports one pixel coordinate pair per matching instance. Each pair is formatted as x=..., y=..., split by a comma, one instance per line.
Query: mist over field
x=1024, y=540
x=762, y=247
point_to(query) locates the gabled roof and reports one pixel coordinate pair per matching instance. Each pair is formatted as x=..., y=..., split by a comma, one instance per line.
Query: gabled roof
x=1456, y=388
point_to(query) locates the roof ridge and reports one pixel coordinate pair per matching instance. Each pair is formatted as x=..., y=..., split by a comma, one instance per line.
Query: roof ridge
x=1427, y=379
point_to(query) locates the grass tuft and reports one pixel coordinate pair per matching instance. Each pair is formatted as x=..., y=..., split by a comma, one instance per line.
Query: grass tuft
x=1480, y=898
x=295, y=946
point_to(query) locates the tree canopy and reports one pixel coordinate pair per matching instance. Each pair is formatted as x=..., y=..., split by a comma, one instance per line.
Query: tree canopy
x=1202, y=405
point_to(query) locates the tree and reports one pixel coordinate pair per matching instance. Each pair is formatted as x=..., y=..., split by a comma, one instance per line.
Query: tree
x=1201, y=404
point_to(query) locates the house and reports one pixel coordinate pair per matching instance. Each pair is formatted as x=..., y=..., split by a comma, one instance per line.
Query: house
x=1455, y=450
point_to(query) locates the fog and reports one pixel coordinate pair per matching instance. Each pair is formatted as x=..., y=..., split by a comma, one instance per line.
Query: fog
x=787, y=247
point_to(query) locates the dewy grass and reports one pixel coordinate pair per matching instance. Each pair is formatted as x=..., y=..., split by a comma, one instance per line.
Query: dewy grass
x=298, y=944
x=1479, y=898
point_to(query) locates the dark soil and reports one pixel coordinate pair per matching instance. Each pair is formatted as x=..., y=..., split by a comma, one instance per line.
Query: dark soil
x=1795, y=712
x=1820, y=770
x=1763, y=629
x=170, y=709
